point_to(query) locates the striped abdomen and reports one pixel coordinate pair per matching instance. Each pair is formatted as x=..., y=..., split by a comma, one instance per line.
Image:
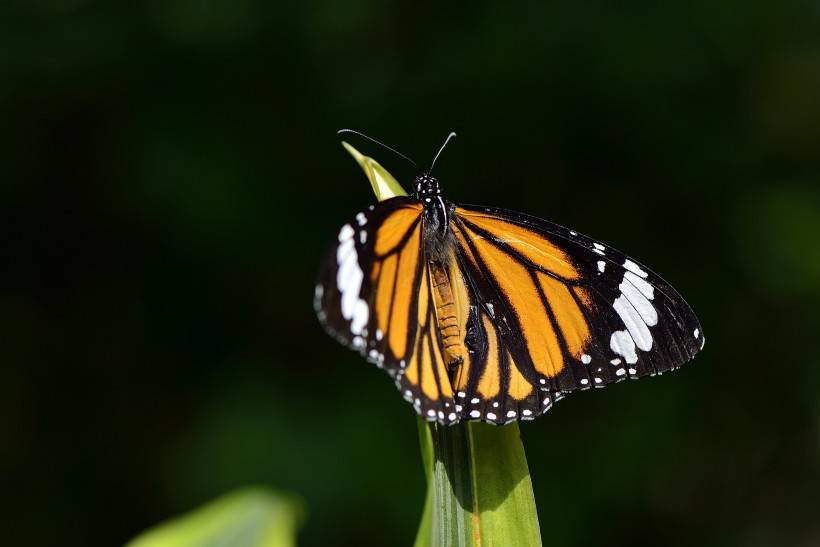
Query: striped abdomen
x=447, y=315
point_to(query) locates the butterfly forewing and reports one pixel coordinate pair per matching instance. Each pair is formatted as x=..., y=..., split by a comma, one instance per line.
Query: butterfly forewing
x=574, y=312
x=375, y=295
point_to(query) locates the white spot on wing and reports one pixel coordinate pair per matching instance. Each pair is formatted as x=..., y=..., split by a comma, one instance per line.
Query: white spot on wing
x=646, y=289
x=601, y=266
x=361, y=219
x=634, y=323
x=475, y=413
x=697, y=333
x=345, y=233
x=343, y=250
x=621, y=343
x=586, y=359
x=349, y=278
x=641, y=304
x=491, y=416
x=632, y=267
x=350, y=286
x=360, y=315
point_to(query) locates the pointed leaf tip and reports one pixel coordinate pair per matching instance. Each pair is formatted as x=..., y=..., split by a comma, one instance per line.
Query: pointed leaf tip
x=385, y=186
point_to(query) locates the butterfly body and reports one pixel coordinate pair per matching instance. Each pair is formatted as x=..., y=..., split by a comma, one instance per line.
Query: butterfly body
x=485, y=314
x=437, y=214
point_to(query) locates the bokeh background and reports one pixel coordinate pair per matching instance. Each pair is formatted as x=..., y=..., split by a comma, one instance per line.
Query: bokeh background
x=171, y=177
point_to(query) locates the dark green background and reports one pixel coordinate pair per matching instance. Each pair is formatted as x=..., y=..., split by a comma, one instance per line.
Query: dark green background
x=171, y=177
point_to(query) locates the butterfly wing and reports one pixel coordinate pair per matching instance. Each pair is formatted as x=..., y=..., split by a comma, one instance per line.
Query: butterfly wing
x=375, y=295
x=553, y=311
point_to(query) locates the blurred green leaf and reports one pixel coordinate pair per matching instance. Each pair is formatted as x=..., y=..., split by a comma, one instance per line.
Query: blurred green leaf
x=253, y=517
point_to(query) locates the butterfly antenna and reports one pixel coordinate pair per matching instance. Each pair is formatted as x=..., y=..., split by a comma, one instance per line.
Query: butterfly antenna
x=340, y=131
x=450, y=136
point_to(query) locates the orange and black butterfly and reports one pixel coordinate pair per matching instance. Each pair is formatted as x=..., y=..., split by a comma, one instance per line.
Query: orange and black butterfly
x=486, y=314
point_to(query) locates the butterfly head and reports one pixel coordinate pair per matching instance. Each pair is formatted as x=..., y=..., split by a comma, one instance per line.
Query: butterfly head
x=426, y=186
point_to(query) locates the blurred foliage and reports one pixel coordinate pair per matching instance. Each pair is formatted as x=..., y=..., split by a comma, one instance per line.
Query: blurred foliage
x=170, y=176
x=246, y=518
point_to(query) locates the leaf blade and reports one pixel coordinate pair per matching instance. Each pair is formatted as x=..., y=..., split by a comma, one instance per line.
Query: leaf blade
x=384, y=185
x=253, y=517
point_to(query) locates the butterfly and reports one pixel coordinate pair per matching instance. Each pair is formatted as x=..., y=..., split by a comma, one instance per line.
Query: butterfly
x=481, y=313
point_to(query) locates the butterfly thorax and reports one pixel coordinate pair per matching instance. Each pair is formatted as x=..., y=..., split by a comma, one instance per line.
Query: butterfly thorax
x=436, y=209
x=437, y=212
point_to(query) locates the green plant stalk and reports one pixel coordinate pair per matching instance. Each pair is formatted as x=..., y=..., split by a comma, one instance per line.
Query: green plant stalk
x=479, y=487
x=479, y=491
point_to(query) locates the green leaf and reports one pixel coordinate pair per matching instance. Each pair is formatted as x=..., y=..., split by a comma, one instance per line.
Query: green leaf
x=254, y=517
x=383, y=183
x=479, y=487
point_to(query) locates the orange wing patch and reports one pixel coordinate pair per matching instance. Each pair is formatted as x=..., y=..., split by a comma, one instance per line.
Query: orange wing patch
x=535, y=247
x=404, y=292
x=517, y=284
x=395, y=227
x=519, y=388
x=583, y=295
x=490, y=383
x=384, y=291
x=570, y=319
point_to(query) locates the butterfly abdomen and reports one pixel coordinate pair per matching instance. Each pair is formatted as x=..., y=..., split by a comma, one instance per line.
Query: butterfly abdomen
x=446, y=314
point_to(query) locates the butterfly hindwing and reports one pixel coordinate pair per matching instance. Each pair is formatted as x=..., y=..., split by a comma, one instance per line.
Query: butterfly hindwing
x=500, y=384
x=375, y=295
